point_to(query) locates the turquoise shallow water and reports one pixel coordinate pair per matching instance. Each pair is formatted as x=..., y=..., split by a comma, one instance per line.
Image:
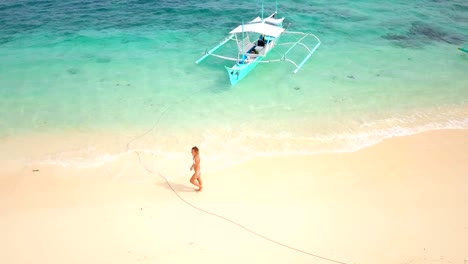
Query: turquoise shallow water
x=383, y=69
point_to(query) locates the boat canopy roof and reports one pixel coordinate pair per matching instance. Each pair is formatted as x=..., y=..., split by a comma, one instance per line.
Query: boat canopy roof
x=260, y=28
x=268, y=20
x=274, y=20
x=257, y=19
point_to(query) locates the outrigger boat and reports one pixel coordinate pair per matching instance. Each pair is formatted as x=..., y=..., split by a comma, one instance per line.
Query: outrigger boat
x=251, y=53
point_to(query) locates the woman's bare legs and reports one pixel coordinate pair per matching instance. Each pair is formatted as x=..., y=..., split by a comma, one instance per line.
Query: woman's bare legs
x=194, y=179
x=200, y=183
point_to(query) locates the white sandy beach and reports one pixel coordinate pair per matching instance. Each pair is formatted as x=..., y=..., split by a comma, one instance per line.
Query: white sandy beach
x=404, y=200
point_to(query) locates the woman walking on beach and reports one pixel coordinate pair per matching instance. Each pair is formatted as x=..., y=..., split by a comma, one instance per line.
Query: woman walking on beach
x=196, y=177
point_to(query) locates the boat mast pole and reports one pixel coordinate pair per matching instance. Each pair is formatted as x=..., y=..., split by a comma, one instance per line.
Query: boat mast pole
x=262, y=10
x=243, y=42
x=276, y=7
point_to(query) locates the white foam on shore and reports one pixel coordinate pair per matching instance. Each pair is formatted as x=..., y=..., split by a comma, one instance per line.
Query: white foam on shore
x=223, y=150
x=320, y=144
x=82, y=158
x=221, y=147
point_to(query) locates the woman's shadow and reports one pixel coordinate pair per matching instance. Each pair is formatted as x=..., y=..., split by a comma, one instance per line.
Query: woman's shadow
x=177, y=187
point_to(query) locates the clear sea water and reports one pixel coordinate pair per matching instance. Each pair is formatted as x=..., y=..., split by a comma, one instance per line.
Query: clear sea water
x=125, y=68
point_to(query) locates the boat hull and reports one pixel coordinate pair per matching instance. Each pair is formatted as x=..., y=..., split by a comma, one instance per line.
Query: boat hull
x=239, y=71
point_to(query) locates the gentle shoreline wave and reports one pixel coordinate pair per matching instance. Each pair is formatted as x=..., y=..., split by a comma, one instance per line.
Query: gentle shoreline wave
x=245, y=147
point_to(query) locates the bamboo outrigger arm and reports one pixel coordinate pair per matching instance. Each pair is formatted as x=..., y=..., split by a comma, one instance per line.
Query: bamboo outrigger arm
x=307, y=57
x=208, y=53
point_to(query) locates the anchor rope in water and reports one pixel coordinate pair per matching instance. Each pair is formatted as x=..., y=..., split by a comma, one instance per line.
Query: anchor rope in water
x=163, y=113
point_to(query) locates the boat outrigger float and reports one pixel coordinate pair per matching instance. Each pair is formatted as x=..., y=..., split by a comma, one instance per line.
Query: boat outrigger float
x=250, y=53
